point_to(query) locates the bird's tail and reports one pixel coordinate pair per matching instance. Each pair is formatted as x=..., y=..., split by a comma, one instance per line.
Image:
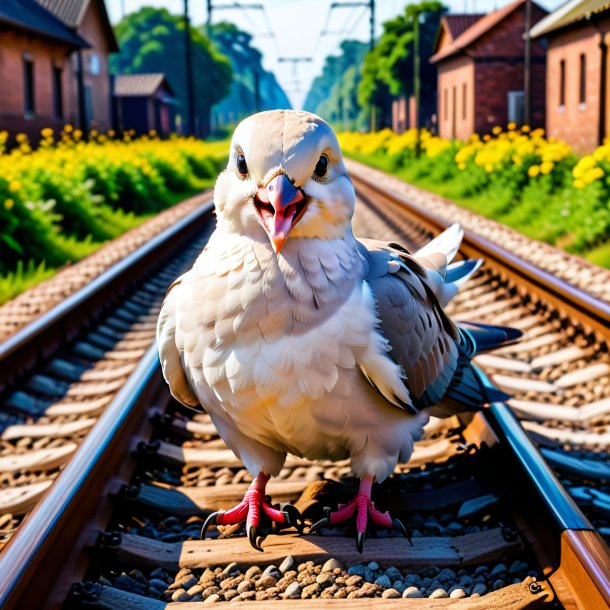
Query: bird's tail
x=466, y=388
x=436, y=256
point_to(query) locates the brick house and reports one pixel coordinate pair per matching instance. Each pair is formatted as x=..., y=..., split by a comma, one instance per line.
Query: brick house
x=90, y=96
x=35, y=50
x=480, y=72
x=145, y=102
x=577, y=73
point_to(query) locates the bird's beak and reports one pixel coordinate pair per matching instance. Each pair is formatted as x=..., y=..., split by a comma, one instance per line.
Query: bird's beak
x=280, y=206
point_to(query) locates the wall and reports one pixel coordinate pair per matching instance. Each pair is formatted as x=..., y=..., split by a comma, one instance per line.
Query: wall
x=454, y=74
x=576, y=123
x=92, y=30
x=13, y=44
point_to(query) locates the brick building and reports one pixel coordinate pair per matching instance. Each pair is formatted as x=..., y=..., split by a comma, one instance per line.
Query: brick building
x=35, y=50
x=577, y=77
x=90, y=99
x=480, y=71
x=44, y=45
x=145, y=102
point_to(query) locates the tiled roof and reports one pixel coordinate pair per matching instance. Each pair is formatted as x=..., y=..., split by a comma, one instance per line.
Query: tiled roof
x=28, y=15
x=458, y=24
x=137, y=85
x=570, y=12
x=475, y=31
x=71, y=12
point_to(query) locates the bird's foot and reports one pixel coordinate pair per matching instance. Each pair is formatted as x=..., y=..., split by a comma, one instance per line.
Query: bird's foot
x=363, y=507
x=251, y=511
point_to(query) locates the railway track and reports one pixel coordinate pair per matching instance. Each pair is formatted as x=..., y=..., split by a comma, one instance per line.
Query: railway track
x=491, y=524
x=59, y=373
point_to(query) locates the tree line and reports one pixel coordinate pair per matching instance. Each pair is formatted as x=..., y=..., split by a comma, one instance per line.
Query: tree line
x=229, y=79
x=357, y=86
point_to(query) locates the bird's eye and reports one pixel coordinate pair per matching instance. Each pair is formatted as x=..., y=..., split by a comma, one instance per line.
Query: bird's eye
x=242, y=166
x=321, y=168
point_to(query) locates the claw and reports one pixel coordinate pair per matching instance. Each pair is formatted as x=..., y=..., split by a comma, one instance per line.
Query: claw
x=211, y=519
x=254, y=538
x=323, y=522
x=360, y=538
x=398, y=525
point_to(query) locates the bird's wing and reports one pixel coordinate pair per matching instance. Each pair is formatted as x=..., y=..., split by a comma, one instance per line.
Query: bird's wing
x=408, y=291
x=171, y=359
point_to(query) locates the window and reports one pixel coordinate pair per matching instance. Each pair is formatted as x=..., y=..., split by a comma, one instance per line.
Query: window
x=583, y=79
x=516, y=107
x=29, y=107
x=94, y=64
x=464, y=99
x=58, y=101
x=562, y=83
x=446, y=103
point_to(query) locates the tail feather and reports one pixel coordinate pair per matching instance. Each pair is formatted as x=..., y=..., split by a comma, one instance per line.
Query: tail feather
x=448, y=243
x=487, y=337
x=460, y=272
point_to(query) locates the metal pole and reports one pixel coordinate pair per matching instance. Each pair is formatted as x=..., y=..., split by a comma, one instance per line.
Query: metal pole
x=257, y=90
x=372, y=125
x=188, y=60
x=416, y=81
x=208, y=23
x=527, y=78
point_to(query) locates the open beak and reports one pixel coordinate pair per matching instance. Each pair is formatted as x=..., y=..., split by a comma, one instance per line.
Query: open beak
x=280, y=205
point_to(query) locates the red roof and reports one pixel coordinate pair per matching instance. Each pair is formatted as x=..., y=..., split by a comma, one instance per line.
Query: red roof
x=458, y=24
x=475, y=31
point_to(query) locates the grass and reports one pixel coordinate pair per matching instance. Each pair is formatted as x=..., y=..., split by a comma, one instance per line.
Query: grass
x=523, y=217
x=29, y=274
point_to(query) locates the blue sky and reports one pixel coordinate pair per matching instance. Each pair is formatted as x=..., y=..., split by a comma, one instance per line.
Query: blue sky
x=297, y=25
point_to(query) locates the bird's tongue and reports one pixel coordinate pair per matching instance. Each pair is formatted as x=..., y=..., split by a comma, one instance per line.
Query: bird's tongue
x=278, y=224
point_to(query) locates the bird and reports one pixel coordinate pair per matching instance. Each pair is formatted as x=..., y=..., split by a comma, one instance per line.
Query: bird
x=298, y=338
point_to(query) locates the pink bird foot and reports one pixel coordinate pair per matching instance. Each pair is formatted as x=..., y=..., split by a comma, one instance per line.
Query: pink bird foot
x=249, y=511
x=364, y=508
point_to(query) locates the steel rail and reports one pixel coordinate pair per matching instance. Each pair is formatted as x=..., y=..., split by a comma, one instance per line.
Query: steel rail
x=44, y=335
x=573, y=301
x=74, y=499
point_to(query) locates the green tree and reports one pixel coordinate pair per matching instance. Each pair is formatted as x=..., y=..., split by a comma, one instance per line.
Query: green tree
x=333, y=94
x=253, y=88
x=152, y=40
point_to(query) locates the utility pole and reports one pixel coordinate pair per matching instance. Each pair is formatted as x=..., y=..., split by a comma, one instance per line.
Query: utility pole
x=527, y=68
x=416, y=72
x=295, y=61
x=188, y=61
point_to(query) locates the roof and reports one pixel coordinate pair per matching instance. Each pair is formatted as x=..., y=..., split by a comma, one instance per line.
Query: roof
x=28, y=15
x=570, y=12
x=475, y=31
x=458, y=24
x=139, y=85
x=72, y=13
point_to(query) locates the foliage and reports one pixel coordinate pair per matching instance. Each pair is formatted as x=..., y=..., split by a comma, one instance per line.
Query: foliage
x=60, y=201
x=152, y=40
x=333, y=94
x=518, y=177
x=247, y=67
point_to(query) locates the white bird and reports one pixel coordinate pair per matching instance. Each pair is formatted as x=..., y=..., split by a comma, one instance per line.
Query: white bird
x=298, y=338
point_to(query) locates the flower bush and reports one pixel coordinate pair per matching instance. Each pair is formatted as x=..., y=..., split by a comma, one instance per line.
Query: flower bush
x=61, y=200
x=518, y=176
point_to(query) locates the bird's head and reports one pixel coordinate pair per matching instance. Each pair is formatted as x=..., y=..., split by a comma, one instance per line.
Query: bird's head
x=285, y=176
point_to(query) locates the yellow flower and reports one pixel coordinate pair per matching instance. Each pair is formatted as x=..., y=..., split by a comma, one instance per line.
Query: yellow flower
x=21, y=137
x=489, y=168
x=579, y=184
x=9, y=203
x=525, y=128
x=461, y=165
x=533, y=171
x=47, y=132
x=496, y=130
x=68, y=128
x=512, y=125
x=546, y=167
x=14, y=186
x=486, y=137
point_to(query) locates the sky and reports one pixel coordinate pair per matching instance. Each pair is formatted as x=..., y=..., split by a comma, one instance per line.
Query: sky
x=294, y=28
